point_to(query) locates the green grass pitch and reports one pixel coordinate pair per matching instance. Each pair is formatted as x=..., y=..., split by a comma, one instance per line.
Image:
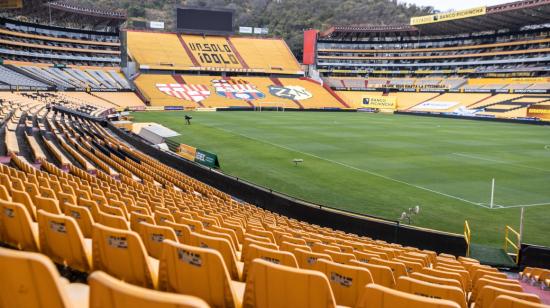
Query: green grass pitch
x=383, y=164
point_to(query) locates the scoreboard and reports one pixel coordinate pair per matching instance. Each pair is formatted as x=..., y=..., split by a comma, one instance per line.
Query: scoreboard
x=200, y=20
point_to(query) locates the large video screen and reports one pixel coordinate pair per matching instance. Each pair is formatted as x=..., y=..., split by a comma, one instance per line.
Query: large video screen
x=197, y=20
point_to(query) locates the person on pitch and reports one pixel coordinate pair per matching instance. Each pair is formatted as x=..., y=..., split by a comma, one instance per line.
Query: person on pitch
x=188, y=119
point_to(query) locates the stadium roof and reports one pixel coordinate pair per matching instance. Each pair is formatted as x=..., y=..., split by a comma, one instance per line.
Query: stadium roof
x=68, y=14
x=513, y=15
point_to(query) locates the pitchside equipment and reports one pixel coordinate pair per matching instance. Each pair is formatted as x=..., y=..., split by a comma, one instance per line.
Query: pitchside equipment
x=269, y=106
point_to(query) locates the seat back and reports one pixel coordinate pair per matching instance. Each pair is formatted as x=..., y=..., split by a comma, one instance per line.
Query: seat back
x=444, y=274
x=153, y=235
x=221, y=245
x=488, y=294
x=121, y=253
x=61, y=240
x=47, y=204
x=505, y=301
x=512, y=285
x=307, y=259
x=377, y=296
x=183, y=232
x=16, y=226
x=109, y=292
x=196, y=271
x=113, y=221
x=422, y=288
x=436, y=280
x=347, y=282
x=82, y=216
x=399, y=269
x=23, y=198
x=275, y=285
x=271, y=255
x=30, y=280
x=381, y=274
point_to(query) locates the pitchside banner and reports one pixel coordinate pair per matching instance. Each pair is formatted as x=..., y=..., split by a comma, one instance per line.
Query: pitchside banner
x=206, y=158
x=379, y=102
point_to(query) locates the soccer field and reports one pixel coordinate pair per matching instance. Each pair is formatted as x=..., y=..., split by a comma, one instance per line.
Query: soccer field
x=383, y=164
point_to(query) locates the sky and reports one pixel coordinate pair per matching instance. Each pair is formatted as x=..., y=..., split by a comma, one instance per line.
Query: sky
x=446, y=5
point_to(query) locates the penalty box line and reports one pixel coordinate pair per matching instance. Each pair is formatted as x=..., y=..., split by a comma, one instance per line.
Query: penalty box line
x=352, y=167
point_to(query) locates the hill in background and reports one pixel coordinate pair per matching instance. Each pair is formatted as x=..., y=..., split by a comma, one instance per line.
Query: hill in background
x=284, y=18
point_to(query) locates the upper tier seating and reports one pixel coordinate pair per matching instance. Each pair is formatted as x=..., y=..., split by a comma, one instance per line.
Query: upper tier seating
x=13, y=78
x=193, y=52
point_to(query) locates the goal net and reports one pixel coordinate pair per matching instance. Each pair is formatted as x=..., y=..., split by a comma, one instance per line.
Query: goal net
x=269, y=106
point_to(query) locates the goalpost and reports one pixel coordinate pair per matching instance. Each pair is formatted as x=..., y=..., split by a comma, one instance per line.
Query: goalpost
x=269, y=106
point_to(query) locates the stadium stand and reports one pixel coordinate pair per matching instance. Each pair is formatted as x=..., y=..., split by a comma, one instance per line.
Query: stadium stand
x=212, y=53
x=436, y=54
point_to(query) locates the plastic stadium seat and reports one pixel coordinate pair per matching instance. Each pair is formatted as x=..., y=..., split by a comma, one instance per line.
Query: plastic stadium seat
x=488, y=294
x=82, y=216
x=306, y=259
x=121, y=253
x=16, y=226
x=436, y=280
x=340, y=257
x=431, y=290
x=381, y=274
x=272, y=255
x=23, y=198
x=482, y=273
x=109, y=292
x=465, y=276
x=273, y=285
x=112, y=221
x=183, y=232
x=347, y=282
x=31, y=280
x=376, y=296
x=224, y=248
x=61, y=240
x=290, y=247
x=199, y=272
x=506, y=284
x=399, y=269
x=153, y=235
x=47, y=204
x=505, y=301
x=443, y=274
x=249, y=241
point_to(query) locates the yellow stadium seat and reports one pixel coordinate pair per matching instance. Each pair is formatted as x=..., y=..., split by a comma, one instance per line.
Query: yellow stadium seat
x=482, y=273
x=199, y=272
x=273, y=285
x=153, y=235
x=82, y=216
x=61, y=240
x=109, y=292
x=488, y=294
x=290, y=247
x=347, y=281
x=505, y=301
x=398, y=268
x=183, y=232
x=112, y=221
x=23, y=198
x=306, y=259
x=16, y=226
x=443, y=274
x=381, y=274
x=31, y=280
x=377, y=296
x=340, y=257
x=431, y=290
x=249, y=241
x=508, y=284
x=272, y=255
x=436, y=280
x=47, y=204
x=224, y=248
x=121, y=253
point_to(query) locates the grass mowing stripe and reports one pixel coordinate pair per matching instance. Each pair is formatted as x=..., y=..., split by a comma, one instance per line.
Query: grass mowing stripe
x=500, y=161
x=351, y=167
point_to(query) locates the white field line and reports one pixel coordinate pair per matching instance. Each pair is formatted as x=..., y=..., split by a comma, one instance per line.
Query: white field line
x=499, y=161
x=352, y=167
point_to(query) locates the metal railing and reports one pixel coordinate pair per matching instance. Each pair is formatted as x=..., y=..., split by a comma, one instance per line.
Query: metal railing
x=467, y=237
x=509, y=243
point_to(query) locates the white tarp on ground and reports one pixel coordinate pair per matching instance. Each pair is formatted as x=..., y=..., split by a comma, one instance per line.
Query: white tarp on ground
x=155, y=133
x=435, y=105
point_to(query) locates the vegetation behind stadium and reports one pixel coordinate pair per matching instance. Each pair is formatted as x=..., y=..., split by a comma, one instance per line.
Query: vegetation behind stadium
x=284, y=18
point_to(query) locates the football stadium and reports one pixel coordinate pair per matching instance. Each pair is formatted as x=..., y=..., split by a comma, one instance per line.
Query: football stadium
x=204, y=161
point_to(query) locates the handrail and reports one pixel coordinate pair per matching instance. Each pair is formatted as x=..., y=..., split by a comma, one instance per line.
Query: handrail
x=508, y=242
x=467, y=237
